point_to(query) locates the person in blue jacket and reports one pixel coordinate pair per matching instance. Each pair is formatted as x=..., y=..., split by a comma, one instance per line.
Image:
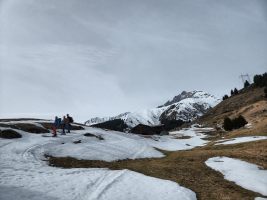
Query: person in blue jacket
x=55, y=126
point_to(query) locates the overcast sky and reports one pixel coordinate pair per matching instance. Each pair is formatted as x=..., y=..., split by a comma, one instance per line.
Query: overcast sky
x=103, y=57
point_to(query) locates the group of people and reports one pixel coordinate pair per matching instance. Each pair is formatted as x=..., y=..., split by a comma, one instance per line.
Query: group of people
x=64, y=123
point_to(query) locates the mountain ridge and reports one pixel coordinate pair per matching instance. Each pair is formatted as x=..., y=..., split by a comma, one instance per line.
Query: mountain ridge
x=186, y=106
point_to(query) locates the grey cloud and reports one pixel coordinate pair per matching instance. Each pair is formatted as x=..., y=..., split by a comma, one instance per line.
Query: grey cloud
x=98, y=58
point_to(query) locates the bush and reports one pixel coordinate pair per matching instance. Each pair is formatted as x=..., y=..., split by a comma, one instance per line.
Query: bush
x=225, y=97
x=236, y=91
x=239, y=122
x=265, y=92
x=227, y=124
x=260, y=80
x=246, y=84
x=235, y=123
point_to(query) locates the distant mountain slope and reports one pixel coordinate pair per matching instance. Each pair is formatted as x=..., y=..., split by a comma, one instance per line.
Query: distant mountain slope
x=97, y=120
x=186, y=106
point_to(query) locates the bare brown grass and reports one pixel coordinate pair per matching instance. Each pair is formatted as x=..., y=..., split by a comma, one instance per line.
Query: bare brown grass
x=249, y=102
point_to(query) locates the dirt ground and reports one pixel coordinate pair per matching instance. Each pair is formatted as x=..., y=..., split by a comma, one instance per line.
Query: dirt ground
x=188, y=168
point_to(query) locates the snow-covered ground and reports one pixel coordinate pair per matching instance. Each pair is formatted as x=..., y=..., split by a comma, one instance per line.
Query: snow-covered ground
x=240, y=140
x=171, y=143
x=24, y=173
x=118, y=145
x=247, y=175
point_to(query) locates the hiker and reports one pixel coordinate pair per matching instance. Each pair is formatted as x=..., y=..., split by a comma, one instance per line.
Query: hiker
x=63, y=123
x=55, y=126
x=69, y=121
x=59, y=123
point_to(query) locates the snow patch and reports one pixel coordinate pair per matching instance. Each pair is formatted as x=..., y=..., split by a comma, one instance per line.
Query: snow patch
x=247, y=175
x=240, y=140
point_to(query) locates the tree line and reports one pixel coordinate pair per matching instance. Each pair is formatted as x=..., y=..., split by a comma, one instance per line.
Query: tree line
x=260, y=80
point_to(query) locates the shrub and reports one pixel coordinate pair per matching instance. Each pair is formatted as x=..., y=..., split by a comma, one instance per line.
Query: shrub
x=260, y=80
x=225, y=97
x=227, y=124
x=236, y=91
x=246, y=84
x=235, y=123
x=239, y=122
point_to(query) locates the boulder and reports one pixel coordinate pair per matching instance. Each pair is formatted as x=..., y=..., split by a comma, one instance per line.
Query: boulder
x=31, y=128
x=9, y=134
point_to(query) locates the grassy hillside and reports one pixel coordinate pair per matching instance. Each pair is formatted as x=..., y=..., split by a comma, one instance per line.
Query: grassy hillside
x=250, y=103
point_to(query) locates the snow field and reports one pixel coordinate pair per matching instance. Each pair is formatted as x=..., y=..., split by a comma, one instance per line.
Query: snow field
x=25, y=174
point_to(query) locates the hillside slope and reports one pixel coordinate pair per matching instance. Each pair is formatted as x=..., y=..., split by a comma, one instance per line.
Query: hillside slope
x=250, y=102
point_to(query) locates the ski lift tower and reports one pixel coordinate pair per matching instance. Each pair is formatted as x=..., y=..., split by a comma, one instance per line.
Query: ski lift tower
x=245, y=77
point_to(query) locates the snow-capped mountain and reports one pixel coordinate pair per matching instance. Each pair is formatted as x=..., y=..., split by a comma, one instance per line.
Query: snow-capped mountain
x=186, y=106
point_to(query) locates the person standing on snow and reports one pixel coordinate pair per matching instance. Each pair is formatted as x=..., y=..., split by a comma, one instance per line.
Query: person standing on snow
x=59, y=123
x=64, y=122
x=55, y=126
x=69, y=120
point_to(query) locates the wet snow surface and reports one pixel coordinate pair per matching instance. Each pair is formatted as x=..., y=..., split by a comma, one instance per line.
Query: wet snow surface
x=24, y=173
x=118, y=145
x=241, y=140
x=247, y=175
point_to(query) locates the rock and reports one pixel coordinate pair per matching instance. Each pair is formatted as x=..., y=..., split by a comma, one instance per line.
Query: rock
x=27, y=127
x=77, y=141
x=31, y=128
x=89, y=135
x=9, y=134
x=92, y=135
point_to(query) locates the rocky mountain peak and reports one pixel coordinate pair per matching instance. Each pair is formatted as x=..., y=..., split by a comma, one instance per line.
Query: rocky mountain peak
x=185, y=95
